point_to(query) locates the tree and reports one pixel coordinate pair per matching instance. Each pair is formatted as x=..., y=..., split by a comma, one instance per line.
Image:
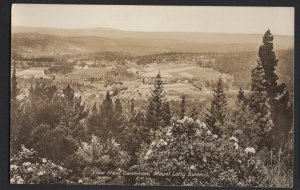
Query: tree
x=49, y=142
x=101, y=155
x=15, y=91
x=183, y=107
x=194, y=114
x=38, y=108
x=269, y=63
x=217, y=113
x=107, y=112
x=72, y=112
x=94, y=122
x=157, y=101
x=118, y=106
x=166, y=113
x=15, y=115
x=277, y=93
x=258, y=103
x=119, y=119
x=108, y=120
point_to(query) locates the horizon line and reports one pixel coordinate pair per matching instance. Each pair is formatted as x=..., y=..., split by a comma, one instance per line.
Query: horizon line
x=171, y=31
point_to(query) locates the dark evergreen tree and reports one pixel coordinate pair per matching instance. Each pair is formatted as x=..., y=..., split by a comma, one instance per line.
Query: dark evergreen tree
x=106, y=112
x=258, y=103
x=269, y=63
x=15, y=91
x=15, y=114
x=40, y=108
x=217, y=113
x=157, y=100
x=182, y=106
x=167, y=113
x=118, y=106
x=94, y=122
x=72, y=112
x=108, y=120
x=194, y=114
x=276, y=92
x=119, y=119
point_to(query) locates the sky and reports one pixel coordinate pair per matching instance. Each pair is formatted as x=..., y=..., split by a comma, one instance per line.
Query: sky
x=280, y=20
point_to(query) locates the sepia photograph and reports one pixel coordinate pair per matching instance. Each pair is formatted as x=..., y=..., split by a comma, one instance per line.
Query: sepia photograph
x=140, y=95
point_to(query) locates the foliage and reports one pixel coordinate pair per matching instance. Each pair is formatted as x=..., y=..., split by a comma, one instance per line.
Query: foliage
x=157, y=105
x=101, y=155
x=16, y=115
x=116, y=136
x=189, y=147
x=258, y=104
x=48, y=142
x=217, y=113
x=194, y=114
x=276, y=92
x=72, y=111
x=108, y=120
x=183, y=107
x=27, y=167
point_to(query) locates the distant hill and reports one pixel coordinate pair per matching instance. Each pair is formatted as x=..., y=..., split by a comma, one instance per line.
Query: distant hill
x=34, y=40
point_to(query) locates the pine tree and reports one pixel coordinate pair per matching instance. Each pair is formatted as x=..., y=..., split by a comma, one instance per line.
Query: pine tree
x=15, y=91
x=277, y=93
x=119, y=119
x=182, y=106
x=107, y=121
x=258, y=103
x=217, y=113
x=157, y=100
x=106, y=112
x=269, y=63
x=167, y=113
x=118, y=106
x=72, y=111
x=94, y=122
x=15, y=114
x=194, y=114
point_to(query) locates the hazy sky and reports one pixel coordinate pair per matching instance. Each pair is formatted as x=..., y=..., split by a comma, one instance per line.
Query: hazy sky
x=157, y=18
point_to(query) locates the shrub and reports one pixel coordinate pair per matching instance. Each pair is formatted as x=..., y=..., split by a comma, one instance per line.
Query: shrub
x=49, y=142
x=101, y=156
x=26, y=167
x=188, y=147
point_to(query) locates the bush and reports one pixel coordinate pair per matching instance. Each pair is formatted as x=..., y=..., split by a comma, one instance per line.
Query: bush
x=188, y=147
x=26, y=167
x=49, y=142
x=101, y=156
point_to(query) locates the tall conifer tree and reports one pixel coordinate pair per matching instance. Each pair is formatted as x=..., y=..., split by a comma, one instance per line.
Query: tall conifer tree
x=276, y=92
x=217, y=113
x=259, y=105
x=167, y=113
x=182, y=107
x=72, y=111
x=15, y=113
x=157, y=101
